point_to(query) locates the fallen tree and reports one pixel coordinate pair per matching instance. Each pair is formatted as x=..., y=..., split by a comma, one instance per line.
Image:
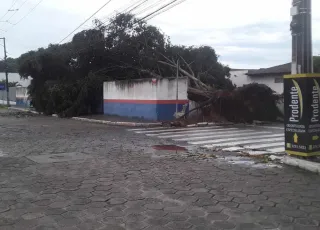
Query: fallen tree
x=243, y=104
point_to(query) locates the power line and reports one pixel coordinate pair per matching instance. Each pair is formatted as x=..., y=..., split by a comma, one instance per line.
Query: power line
x=26, y=15
x=17, y=10
x=85, y=21
x=156, y=11
x=165, y=10
x=138, y=6
x=149, y=7
x=13, y=3
x=123, y=11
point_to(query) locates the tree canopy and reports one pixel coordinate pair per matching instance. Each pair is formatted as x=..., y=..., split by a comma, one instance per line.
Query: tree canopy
x=67, y=79
x=12, y=65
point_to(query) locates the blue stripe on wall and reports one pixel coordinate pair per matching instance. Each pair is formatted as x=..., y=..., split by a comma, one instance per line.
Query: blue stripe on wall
x=155, y=112
x=22, y=102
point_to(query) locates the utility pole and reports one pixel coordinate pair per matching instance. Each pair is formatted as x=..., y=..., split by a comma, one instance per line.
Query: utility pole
x=302, y=88
x=177, y=86
x=301, y=24
x=6, y=69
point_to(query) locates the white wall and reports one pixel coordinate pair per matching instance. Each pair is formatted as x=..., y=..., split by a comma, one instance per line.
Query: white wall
x=146, y=89
x=239, y=78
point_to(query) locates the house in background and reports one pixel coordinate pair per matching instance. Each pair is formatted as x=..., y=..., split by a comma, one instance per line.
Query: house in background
x=17, y=95
x=272, y=77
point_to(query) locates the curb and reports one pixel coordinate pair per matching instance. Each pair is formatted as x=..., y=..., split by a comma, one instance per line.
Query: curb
x=23, y=110
x=117, y=123
x=303, y=164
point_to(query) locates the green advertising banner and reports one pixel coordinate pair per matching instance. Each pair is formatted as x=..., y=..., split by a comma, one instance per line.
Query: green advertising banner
x=302, y=114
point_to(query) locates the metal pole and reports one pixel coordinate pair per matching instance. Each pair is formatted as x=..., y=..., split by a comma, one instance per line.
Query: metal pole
x=177, y=87
x=302, y=58
x=6, y=70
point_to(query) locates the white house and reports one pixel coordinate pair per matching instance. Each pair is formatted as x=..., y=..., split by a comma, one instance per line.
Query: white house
x=272, y=77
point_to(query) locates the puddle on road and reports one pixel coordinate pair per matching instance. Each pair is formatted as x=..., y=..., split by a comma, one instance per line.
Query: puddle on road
x=169, y=148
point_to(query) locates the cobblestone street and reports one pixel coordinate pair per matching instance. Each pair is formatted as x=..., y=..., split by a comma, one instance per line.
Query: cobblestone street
x=65, y=174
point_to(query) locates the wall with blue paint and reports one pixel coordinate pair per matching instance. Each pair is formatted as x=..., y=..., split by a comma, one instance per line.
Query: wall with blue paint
x=150, y=99
x=22, y=97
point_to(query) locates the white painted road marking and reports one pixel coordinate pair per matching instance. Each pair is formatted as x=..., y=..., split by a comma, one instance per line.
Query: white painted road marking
x=234, y=139
x=194, y=133
x=223, y=134
x=244, y=142
x=176, y=130
x=184, y=132
x=262, y=140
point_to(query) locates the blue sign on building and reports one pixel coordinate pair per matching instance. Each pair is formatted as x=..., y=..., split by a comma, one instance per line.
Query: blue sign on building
x=2, y=86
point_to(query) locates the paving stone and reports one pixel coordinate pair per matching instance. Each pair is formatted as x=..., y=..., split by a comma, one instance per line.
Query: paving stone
x=178, y=225
x=295, y=213
x=175, y=209
x=249, y=207
x=248, y=226
x=31, y=216
x=114, y=201
x=242, y=200
x=131, y=183
x=222, y=198
x=217, y=216
x=223, y=225
x=229, y=204
x=154, y=206
x=237, y=194
x=214, y=209
x=307, y=221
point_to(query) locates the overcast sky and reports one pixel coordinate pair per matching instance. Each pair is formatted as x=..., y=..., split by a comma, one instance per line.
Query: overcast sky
x=245, y=33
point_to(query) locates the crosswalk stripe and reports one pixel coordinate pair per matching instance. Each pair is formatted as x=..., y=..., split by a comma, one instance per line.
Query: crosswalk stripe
x=222, y=134
x=184, y=133
x=175, y=130
x=196, y=133
x=243, y=142
x=233, y=139
x=271, y=127
x=263, y=146
x=142, y=129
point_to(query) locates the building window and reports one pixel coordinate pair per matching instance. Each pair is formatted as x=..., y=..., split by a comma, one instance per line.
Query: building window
x=278, y=80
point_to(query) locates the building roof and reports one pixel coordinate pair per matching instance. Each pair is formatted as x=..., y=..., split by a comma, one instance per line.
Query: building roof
x=279, y=69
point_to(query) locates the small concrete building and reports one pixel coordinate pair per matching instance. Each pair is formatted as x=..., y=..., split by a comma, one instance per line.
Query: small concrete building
x=149, y=99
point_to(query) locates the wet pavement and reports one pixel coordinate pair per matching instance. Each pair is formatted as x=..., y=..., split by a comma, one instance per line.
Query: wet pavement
x=65, y=174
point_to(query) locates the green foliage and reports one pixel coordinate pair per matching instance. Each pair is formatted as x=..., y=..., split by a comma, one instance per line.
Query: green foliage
x=12, y=65
x=67, y=79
